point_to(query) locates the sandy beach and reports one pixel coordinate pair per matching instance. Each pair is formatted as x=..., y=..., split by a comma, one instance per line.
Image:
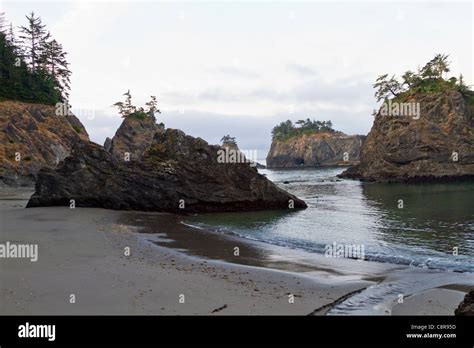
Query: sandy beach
x=116, y=262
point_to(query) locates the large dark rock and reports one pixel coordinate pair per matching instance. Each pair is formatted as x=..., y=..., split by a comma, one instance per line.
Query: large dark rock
x=466, y=307
x=133, y=137
x=312, y=150
x=33, y=136
x=439, y=146
x=175, y=169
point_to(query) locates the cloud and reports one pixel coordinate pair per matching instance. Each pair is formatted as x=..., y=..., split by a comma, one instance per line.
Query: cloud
x=302, y=70
x=237, y=71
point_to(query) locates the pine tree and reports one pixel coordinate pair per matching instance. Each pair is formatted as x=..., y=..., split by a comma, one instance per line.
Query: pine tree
x=54, y=61
x=152, y=107
x=18, y=81
x=129, y=108
x=34, y=37
x=3, y=25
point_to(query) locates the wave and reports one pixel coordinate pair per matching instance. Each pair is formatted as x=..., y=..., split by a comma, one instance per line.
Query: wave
x=432, y=261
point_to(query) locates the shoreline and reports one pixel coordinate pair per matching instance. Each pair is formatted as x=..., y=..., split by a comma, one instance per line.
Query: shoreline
x=168, y=259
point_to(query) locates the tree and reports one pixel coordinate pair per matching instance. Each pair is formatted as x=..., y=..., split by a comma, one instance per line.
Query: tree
x=435, y=68
x=462, y=87
x=127, y=109
x=54, y=61
x=152, y=107
x=428, y=79
x=228, y=140
x=34, y=37
x=287, y=130
x=3, y=22
x=410, y=79
x=121, y=108
x=387, y=87
x=18, y=81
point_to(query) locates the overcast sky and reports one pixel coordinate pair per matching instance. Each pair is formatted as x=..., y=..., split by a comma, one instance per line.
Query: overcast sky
x=239, y=68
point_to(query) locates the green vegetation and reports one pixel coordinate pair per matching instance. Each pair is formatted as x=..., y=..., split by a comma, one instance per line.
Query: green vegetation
x=428, y=79
x=128, y=110
x=76, y=128
x=33, y=68
x=286, y=130
x=229, y=141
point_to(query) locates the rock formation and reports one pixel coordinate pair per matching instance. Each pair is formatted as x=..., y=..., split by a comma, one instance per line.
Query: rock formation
x=133, y=137
x=466, y=307
x=173, y=173
x=318, y=149
x=436, y=145
x=32, y=136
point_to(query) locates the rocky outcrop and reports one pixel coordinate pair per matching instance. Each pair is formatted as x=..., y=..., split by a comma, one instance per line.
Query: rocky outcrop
x=466, y=307
x=32, y=136
x=107, y=144
x=436, y=145
x=175, y=173
x=311, y=150
x=133, y=137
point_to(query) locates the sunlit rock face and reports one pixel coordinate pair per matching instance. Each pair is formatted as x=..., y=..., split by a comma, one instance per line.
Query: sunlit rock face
x=435, y=142
x=33, y=136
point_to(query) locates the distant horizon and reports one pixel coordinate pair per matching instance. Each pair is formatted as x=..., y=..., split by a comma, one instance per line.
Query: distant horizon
x=214, y=75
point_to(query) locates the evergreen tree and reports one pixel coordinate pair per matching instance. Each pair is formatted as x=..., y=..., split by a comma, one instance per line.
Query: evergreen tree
x=152, y=107
x=3, y=23
x=17, y=80
x=127, y=109
x=54, y=61
x=228, y=140
x=34, y=37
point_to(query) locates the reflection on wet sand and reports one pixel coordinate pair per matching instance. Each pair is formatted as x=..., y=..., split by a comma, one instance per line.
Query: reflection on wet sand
x=169, y=231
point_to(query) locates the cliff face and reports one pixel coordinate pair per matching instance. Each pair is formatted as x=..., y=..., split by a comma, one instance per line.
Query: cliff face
x=175, y=173
x=439, y=145
x=312, y=150
x=32, y=136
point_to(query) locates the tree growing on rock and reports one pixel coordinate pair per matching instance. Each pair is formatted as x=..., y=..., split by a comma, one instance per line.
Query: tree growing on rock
x=127, y=109
x=428, y=79
x=287, y=130
x=229, y=141
x=387, y=87
x=152, y=107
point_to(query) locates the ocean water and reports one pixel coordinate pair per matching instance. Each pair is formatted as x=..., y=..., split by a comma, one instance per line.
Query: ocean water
x=433, y=229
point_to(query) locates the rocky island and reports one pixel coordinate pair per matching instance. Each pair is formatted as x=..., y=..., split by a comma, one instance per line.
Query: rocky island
x=423, y=132
x=149, y=168
x=312, y=144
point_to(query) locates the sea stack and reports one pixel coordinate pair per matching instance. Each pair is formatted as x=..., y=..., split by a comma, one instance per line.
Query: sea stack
x=433, y=142
x=313, y=150
x=172, y=172
x=420, y=137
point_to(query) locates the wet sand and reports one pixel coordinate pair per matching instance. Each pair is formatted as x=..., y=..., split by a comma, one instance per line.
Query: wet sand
x=82, y=252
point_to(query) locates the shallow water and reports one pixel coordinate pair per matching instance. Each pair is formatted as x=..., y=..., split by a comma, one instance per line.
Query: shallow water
x=436, y=220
